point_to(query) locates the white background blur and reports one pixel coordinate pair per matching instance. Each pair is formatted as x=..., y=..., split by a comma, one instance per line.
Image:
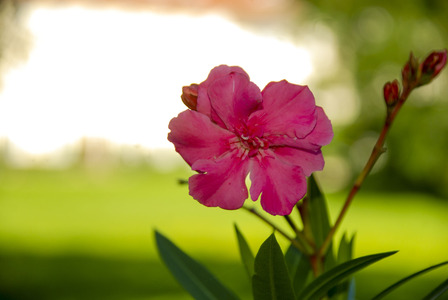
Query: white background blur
x=116, y=75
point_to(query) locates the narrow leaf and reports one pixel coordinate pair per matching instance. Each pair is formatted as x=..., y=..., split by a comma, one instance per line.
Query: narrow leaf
x=345, y=253
x=247, y=256
x=331, y=278
x=404, y=280
x=193, y=276
x=343, y=291
x=438, y=291
x=318, y=212
x=271, y=279
x=299, y=268
x=292, y=259
x=302, y=276
x=330, y=259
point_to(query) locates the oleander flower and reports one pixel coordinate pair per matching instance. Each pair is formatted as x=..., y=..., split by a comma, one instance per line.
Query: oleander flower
x=275, y=136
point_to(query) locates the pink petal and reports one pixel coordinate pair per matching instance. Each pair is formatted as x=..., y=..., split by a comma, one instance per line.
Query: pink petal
x=281, y=184
x=233, y=98
x=203, y=102
x=196, y=137
x=287, y=109
x=309, y=161
x=222, y=182
x=321, y=135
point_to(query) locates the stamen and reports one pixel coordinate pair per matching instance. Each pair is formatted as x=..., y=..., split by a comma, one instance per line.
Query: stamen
x=244, y=154
x=250, y=142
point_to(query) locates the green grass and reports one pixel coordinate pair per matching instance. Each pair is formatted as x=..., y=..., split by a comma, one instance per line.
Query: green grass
x=79, y=234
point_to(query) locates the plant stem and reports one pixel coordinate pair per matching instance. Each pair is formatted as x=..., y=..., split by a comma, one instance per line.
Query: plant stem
x=300, y=234
x=301, y=245
x=303, y=212
x=316, y=265
x=291, y=224
x=378, y=149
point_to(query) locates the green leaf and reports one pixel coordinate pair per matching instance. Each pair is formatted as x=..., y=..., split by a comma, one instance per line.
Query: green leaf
x=344, y=290
x=345, y=251
x=331, y=278
x=293, y=256
x=247, y=256
x=271, y=279
x=330, y=259
x=318, y=212
x=299, y=268
x=438, y=291
x=193, y=276
x=404, y=280
x=303, y=275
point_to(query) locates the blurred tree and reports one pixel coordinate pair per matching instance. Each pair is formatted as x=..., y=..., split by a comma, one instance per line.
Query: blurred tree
x=14, y=36
x=374, y=39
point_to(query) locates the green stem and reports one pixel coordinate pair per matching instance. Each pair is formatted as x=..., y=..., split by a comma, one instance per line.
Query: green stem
x=378, y=149
x=300, y=235
x=303, y=212
x=301, y=245
x=291, y=224
x=316, y=263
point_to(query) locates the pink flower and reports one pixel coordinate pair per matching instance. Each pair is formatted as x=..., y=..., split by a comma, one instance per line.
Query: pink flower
x=275, y=136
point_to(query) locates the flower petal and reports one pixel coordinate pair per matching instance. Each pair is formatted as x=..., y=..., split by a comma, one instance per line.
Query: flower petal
x=287, y=109
x=233, y=98
x=221, y=182
x=203, y=102
x=321, y=135
x=281, y=184
x=309, y=161
x=196, y=137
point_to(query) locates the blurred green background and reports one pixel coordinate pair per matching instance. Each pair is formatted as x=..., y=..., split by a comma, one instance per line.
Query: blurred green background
x=86, y=231
x=83, y=234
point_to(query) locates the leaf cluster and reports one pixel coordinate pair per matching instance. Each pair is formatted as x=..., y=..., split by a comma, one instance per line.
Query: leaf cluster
x=275, y=275
x=289, y=275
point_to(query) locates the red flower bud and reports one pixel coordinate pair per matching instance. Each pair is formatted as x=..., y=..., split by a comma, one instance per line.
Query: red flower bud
x=190, y=96
x=391, y=93
x=432, y=66
x=410, y=72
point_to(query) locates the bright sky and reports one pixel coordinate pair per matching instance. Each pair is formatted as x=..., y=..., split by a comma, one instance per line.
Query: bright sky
x=118, y=75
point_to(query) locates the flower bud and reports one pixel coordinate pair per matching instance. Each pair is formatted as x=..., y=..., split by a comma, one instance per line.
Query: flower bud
x=432, y=66
x=190, y=96
x=391, y=93
x=410, y=72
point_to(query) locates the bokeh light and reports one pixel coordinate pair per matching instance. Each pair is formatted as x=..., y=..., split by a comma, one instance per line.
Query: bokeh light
x=118, y=74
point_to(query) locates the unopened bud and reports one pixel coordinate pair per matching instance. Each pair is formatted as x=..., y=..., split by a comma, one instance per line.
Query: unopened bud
x=391, y=93
x=410, y=72
x=432, y=66
x=190, y=96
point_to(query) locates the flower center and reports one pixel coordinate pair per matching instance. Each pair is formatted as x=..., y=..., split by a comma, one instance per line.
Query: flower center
x=251, y=143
